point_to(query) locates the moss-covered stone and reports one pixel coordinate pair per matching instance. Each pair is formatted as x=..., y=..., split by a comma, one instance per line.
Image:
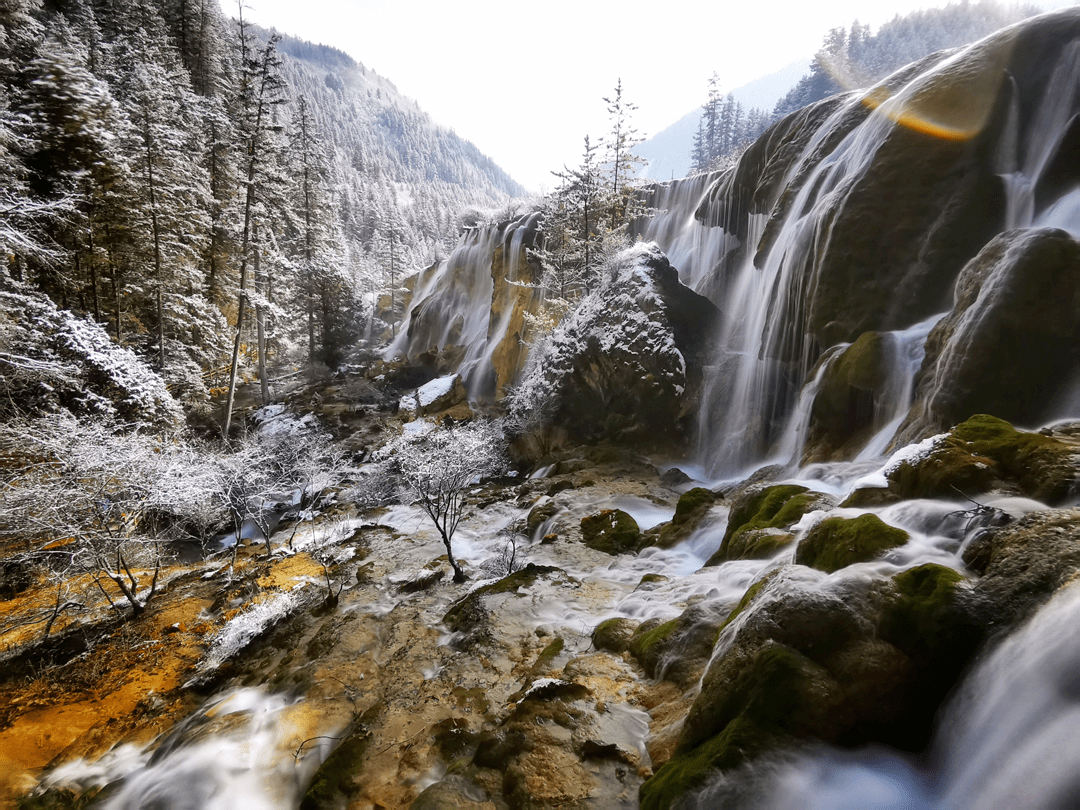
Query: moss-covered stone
x=775, y=507
x=612, y=531
x=936, y=623
x=740, y=740
x=776, y=686
x=842, y=414
x=467, y=613
x=693, y=501
x=983, y=452
x=838, y=542
x=646, y=642
x=614, y=634
x=921, y=619
x=333, y=780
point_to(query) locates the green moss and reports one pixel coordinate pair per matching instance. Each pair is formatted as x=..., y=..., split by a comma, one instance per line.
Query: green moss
x=646, y=642
x=776, y=507
x=691, y=501
x=612, y=531
x=739, y=741
x=924, y=618
x=767, y=704
x=1040, y=464
x=547, y=655
x=650, y=578
x=333, y=779
x=614, y=634
x=838, y=542
x=983, y=450
x=747, y=598
x=759, y=544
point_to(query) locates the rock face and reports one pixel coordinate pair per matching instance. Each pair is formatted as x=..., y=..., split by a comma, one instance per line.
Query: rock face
x=1012, y=335
x=626, y=364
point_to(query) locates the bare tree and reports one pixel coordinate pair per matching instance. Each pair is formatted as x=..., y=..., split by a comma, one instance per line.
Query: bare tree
x=438, y=467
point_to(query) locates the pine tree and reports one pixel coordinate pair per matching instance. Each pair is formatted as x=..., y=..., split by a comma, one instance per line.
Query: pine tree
x=624, y=137
x=261, y=88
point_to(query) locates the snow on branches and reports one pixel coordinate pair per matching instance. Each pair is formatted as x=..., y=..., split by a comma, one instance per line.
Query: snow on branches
x=438, y=466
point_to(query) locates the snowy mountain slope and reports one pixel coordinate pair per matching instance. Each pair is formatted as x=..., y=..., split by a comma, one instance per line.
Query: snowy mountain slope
x=668, y=151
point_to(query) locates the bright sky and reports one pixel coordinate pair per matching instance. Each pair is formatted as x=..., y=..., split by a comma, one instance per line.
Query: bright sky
x=525, y=81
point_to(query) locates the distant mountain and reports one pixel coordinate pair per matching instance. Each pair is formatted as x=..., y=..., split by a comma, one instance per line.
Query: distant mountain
x=403, y=171
x=668, y=152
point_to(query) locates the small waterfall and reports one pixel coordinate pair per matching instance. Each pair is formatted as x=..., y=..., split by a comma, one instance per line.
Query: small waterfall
x=1027, y=160
x=451, y=310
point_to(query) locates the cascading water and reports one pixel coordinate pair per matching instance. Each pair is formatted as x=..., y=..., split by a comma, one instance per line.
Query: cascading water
x=752, y=411
x=467, y=304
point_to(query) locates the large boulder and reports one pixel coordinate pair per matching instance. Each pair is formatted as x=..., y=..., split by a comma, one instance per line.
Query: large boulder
x=626, y=364
x=985, y=453
x=761, y=519
x=1012, y=336
x=841, y=660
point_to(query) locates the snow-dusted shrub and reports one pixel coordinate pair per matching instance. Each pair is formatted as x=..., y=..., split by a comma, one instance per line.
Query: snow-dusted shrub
x=437, y=467
x=54, y=360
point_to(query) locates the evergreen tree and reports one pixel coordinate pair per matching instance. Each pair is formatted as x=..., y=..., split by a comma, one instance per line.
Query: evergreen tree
x=261, y=88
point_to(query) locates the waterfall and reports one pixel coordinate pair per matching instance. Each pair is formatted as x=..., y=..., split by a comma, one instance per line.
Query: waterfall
x=769, y=355
x=464, y=307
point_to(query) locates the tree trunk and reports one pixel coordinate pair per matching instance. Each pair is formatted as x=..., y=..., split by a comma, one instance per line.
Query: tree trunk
x=260, y=319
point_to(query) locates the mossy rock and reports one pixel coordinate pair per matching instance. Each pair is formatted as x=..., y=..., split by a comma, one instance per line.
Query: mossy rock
x=539, y=514
x=679, y=650
x=691, y=510
x=693, y=501
x=469, y=612
x=983, y=452
x=742, y=739
x=771, y=685
x=922, y=620
x=747, y=598
x=939, y=626
x=842, y=414
x=333, y=780
x=838, y=542
x=614, y=634
x=775, y=507
x=646, y=643
x=612, y=531
x=760, y=544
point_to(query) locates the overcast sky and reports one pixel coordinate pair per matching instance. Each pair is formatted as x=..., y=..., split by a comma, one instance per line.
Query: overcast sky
x=525, y=81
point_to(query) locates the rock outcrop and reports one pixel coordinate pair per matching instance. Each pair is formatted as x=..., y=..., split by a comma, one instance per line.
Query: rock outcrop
x=626, y=364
